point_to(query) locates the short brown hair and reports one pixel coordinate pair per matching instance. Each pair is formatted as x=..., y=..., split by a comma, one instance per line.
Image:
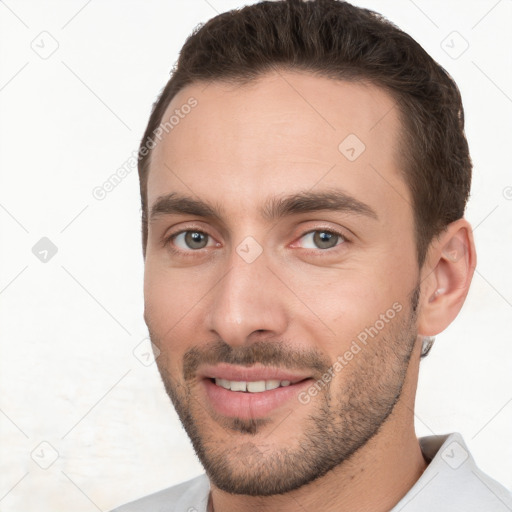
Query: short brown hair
x=335, y=39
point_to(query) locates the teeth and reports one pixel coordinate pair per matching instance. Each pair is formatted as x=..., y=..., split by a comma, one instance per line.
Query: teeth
x=223, y=383
x=238, y=386
x=251, y=387
x=256, y=387
x=271, y=384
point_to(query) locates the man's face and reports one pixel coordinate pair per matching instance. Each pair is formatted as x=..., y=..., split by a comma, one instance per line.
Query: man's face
x=263, y=288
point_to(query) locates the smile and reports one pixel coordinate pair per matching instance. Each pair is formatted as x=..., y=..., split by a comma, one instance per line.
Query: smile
x=250, y=392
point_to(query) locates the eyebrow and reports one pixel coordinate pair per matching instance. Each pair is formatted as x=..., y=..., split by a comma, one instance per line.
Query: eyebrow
x=274, y=208
x=174, y=203
x=305, y=202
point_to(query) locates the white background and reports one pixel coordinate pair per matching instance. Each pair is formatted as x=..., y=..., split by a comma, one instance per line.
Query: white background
x=69, y=326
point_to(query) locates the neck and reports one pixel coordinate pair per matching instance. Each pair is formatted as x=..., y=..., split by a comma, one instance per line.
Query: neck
x=373, y=479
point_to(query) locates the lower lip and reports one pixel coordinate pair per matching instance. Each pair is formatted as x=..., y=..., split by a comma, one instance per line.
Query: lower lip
x=243, y=405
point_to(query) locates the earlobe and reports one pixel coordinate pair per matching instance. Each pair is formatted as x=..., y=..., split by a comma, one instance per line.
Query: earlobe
x=446, y=275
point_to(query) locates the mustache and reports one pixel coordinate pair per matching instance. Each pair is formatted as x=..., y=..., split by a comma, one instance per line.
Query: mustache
x=268, y=353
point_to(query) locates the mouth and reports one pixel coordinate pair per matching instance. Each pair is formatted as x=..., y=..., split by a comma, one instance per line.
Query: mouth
x=251, y=392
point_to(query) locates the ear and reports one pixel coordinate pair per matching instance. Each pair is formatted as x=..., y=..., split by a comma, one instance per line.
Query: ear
x=446, y=276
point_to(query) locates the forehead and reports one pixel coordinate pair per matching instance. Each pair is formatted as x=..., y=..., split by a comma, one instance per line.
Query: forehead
x=285, y=131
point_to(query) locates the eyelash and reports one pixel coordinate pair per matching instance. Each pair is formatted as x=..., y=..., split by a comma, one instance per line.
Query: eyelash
x=192, y=253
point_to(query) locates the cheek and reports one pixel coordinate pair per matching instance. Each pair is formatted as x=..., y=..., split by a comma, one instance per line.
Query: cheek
x=170, y=301
x=342, y=303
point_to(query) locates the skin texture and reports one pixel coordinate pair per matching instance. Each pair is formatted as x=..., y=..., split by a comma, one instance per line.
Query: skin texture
x=305, y=299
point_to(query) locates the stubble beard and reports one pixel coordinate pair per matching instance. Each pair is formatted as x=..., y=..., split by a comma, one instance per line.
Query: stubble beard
x=341, y=421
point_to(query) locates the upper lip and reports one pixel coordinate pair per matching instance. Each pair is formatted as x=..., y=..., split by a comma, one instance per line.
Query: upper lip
x=250, y=374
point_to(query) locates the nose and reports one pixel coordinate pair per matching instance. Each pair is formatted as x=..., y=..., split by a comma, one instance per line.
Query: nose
x=247, y=302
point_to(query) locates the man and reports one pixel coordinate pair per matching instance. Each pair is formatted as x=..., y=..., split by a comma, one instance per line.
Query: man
x=304, y=175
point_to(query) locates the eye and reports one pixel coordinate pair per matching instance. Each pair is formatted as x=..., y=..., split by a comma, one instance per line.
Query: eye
x=322, y=239
x=187, y=240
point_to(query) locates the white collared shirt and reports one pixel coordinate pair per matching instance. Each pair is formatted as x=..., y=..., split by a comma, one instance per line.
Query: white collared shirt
x=451, y=483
